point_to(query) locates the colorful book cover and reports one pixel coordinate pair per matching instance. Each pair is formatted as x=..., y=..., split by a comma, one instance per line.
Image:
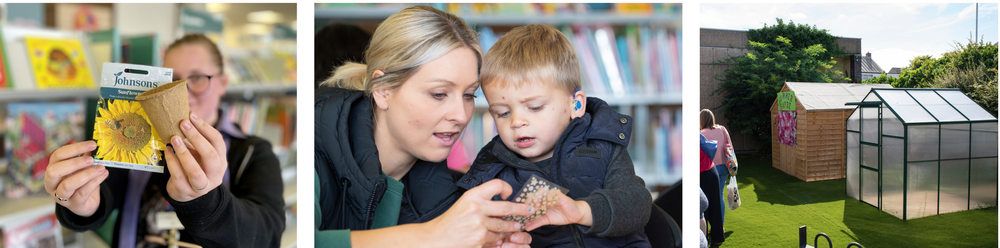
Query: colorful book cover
x=34, y=130
x=58, y=63
x=43, y=231
x=4, y=71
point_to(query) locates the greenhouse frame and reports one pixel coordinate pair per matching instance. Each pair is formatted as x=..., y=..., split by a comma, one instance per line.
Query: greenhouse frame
x=920, y=152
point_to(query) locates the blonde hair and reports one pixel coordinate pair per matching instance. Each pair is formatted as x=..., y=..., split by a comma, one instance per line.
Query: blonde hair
x=530, y=53
x=401, y=44
x=708, y=119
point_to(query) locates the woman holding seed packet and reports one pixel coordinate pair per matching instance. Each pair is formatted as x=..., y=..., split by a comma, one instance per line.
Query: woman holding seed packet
x=223, y=186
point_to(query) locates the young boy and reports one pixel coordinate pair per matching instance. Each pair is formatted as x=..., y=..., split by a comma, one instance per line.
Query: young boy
x=548, y=127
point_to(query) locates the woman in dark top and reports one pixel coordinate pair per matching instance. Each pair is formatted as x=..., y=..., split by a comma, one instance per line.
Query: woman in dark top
x=225, y=188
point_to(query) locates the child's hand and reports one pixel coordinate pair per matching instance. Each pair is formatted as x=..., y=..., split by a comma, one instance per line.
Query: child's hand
x=565, y=211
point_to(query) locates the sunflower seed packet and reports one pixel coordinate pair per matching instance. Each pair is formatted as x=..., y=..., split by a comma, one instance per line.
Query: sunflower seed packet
x=125, y=138
x=538, y=193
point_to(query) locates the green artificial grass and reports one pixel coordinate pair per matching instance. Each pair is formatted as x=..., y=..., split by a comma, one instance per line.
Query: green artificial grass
x=775, y=205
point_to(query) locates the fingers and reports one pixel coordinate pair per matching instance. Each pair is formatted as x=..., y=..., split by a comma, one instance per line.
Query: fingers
x=55, y=173
x=82, y=194
x=209, y=132
x=184, y=169
x=489, y=189
x=501, y=226
x=505, y=208
x=206, y=149
x=72, y=150
x=536, y=223
x=68, y=187
x=520, y=238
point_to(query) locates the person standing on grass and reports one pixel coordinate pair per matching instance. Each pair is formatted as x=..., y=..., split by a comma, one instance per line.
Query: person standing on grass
x=719, y=134
x=709, y=181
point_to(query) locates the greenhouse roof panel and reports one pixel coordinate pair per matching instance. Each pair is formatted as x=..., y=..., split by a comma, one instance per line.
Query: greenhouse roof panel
x=830, y=96
x=965, y=105
x=904, y=106
x=938, y=107
x=924, y=106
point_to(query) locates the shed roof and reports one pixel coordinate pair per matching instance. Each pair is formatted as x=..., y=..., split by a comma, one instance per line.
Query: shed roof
x=830, y=96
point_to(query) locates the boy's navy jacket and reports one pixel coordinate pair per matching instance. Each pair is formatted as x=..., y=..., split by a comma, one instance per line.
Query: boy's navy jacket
x=591, y=161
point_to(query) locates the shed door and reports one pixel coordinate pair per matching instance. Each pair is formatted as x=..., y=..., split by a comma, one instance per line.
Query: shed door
x=788, y=159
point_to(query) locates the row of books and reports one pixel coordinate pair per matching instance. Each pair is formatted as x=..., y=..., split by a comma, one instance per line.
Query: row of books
x=271, y=68
x=636, y=59
x=528, y=8
x=270, y=118
x=46, y=59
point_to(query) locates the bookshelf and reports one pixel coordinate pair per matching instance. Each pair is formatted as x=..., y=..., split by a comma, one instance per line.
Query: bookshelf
x=646, y=93
x=248, y=90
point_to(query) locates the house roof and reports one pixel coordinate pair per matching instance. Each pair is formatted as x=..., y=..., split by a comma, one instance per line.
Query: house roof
x=830, y=96
x=895, y=70
x=916, y=106
x=869, y=66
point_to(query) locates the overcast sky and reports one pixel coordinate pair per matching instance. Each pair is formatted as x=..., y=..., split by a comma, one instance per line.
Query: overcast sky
x=893, y=33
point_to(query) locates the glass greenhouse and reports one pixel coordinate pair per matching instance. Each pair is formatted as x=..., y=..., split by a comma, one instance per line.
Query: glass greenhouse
x=920, y=152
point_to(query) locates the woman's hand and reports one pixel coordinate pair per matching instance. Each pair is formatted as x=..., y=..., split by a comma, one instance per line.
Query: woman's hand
x=73, y=181
x=474, y=220
x=196, y=164
x=565, y=211
x=517, y=239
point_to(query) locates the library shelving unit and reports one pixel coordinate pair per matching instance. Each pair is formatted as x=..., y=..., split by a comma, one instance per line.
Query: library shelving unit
x=653, y=104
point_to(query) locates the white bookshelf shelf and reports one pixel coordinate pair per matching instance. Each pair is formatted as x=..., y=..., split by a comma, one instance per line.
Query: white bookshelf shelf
x=361, y=13
x=9, y=95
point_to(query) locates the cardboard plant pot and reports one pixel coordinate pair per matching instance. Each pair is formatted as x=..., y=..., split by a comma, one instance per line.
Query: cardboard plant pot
x=166, y=106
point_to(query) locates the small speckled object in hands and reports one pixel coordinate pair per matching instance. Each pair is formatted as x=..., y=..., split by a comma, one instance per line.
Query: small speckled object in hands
x=538, y=193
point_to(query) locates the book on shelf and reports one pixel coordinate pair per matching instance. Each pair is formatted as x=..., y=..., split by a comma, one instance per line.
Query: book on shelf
x=105, y=46
x=257, y=69
x=34, y=130
x=58, y=63
x=38, y=232
x=4, y=71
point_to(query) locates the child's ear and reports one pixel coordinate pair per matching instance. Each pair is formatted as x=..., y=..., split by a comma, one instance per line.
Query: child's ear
x=579, y=98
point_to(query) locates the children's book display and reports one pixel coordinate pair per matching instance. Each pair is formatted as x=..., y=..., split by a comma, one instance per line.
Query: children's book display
x=58, y=63
x=34, y=130
x=126, y=138
x=40, y=232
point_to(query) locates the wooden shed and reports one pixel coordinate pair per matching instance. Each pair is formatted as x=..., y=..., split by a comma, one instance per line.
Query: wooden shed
x=816, y=150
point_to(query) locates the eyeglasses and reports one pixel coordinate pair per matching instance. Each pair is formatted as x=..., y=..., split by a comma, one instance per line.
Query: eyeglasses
x=198, y=84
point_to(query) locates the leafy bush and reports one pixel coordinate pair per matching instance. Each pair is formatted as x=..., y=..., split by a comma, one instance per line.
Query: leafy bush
x=779, y=53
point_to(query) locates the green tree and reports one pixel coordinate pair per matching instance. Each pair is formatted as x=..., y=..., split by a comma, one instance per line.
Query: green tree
x=972, y=68
x=779, y=53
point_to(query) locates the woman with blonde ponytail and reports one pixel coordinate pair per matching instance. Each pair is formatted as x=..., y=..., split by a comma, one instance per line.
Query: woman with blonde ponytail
x=383, y=132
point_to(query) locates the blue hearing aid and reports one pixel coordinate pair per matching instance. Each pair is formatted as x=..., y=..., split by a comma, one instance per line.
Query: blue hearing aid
x=576, y=104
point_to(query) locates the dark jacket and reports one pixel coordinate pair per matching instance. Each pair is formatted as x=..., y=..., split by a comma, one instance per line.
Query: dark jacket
x=350, y=175
x=249, y=213
x=591, y=161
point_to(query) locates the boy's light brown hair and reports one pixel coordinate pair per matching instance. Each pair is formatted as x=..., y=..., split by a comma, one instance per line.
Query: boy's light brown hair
x=531, y=54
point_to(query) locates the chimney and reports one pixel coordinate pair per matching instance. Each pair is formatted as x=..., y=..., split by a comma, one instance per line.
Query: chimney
x=869, y=54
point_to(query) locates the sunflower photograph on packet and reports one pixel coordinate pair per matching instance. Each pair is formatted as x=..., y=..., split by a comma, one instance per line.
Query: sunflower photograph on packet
x=125, y=136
